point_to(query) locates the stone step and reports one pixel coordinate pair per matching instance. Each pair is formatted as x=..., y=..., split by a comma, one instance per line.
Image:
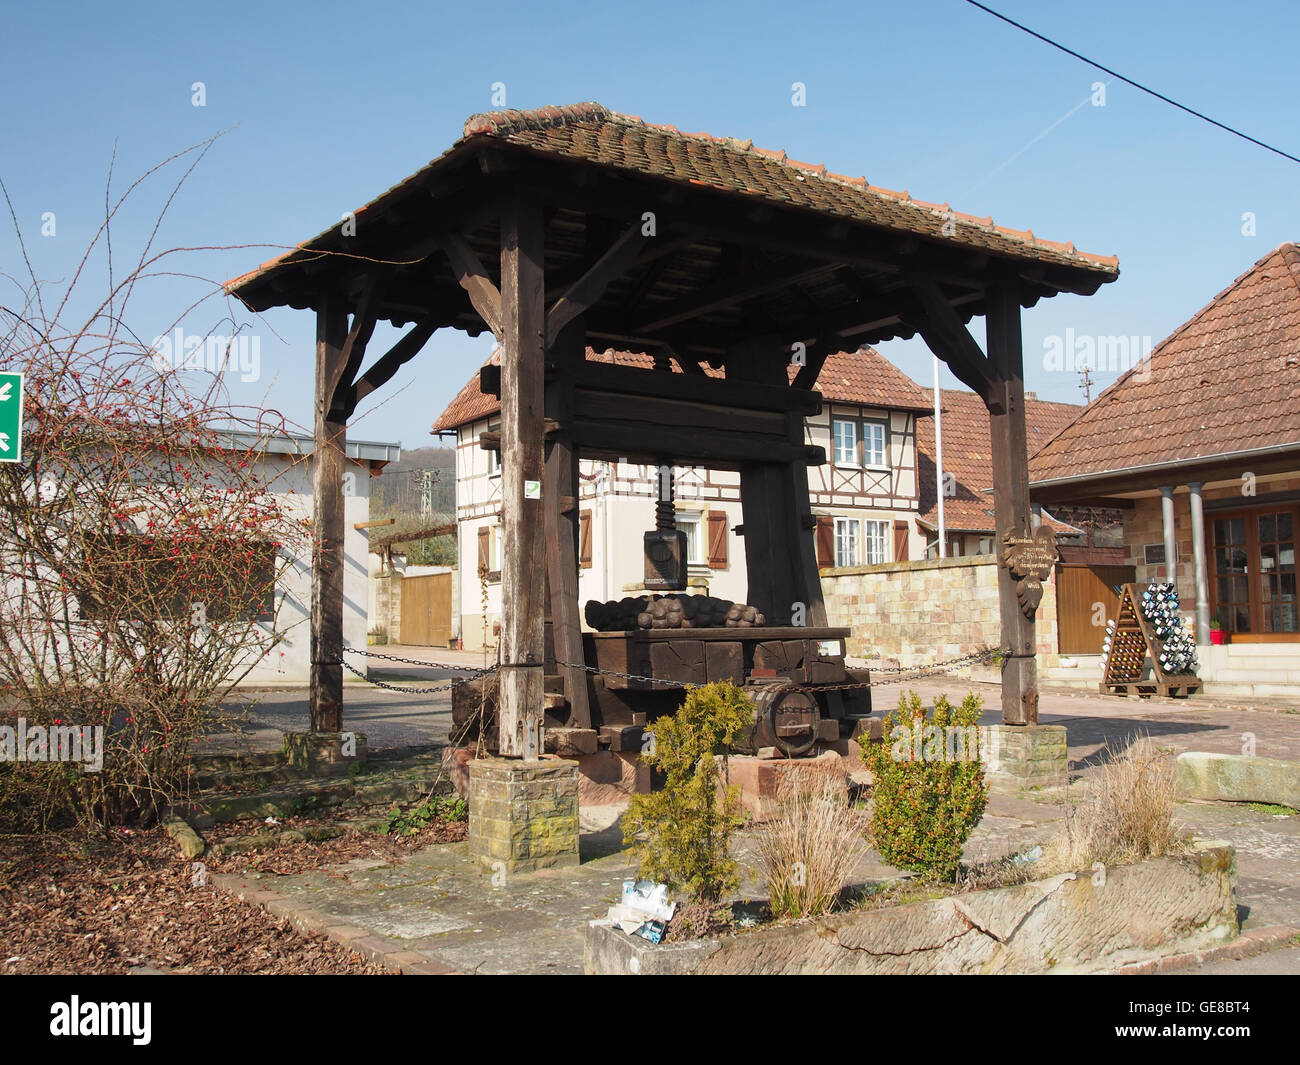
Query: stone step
x=1254, y=676
x=386, y=778
x=269, y=771
x=1262, y=650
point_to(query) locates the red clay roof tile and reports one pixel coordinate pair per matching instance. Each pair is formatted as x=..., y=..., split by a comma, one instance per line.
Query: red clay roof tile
x=1219, y=383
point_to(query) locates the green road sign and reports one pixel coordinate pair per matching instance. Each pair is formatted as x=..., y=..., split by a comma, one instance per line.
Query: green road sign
x=11, y=417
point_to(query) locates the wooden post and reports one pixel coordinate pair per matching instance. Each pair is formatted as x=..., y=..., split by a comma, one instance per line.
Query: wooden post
x=780, y=552
x=561, y=492
x=328, y=459
x=523, y=562
x=1011, y=496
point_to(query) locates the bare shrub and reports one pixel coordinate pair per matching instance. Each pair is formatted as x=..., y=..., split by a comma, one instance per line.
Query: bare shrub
x=142, y=544
x=1126, y=816
x=809, y=850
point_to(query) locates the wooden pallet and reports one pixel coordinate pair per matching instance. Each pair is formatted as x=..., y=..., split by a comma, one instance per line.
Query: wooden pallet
x=1134, y=642
x=1144, y=689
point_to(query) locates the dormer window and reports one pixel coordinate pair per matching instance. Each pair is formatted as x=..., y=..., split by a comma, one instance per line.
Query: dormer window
x=860, y=443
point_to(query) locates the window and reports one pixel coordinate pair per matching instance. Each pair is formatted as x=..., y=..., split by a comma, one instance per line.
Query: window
x=689, y=523
x=873, y=444
x=846, y=443
x=494, y=457
x=846, y=541
x=136, y=577
x=860, y=442
x=877, y=542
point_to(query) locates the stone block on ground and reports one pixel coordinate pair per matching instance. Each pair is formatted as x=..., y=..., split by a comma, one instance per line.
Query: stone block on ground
x=1237, y=778
x=324, y=753
x=763, y=781
x=1076, y=922
x=523, y=815
x=610, y=777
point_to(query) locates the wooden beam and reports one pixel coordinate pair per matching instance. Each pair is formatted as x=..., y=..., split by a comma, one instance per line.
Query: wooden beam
x=523, y=564
x=354, y=347
x=722, y=391
x=737, y=288
x=584, y=292
x=382, y=371
x=946, y=335
x=1011, y=497
x=816, y=357
x=474, y=279
x=328, y=462
x=560, y=494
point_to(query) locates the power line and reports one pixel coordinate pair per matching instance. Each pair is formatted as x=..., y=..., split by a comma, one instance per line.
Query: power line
x=1137, y=85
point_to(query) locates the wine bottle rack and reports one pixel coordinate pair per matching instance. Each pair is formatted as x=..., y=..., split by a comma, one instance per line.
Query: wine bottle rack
x=1133, y=643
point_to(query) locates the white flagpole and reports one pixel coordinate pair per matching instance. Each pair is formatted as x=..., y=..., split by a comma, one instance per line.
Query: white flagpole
x=938, y=459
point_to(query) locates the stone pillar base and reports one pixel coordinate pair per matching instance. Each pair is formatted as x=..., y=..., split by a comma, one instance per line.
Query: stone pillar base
x=523, y=815
x=324, y=753
x=606, y=778
x=1027, y=756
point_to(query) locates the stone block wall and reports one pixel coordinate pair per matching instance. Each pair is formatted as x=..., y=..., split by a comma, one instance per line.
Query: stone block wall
x=926, y=611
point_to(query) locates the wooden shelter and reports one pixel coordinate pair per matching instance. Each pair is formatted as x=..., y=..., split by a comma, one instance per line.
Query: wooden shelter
x=568, y=225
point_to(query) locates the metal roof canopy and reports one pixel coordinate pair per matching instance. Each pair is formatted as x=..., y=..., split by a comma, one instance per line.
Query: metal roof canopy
x=563, y=226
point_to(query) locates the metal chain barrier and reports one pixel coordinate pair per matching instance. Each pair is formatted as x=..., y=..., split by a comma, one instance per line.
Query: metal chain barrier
x=407, y=689
x=891, y=674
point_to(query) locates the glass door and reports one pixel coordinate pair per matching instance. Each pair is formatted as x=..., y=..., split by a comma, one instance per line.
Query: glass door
x=1277, y=601
x=1254, y=585
x=1232, y=574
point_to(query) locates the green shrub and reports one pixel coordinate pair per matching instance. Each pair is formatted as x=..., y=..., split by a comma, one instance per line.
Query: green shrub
x=680, y=832
x=929, y=791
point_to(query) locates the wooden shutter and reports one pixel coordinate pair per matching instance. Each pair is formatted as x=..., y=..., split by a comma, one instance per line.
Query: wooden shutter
x=717, y=538
x=584, y=539
x=900, y=541
x=825, y=540
x=484, y=548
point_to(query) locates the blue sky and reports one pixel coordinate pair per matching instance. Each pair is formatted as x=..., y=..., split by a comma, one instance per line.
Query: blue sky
x=327, y=104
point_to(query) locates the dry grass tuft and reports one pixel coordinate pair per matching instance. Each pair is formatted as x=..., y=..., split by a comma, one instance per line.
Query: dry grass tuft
x=1126, y=816
x=810, y=849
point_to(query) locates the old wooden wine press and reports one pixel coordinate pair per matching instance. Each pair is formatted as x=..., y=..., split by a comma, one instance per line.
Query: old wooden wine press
x=739, y=271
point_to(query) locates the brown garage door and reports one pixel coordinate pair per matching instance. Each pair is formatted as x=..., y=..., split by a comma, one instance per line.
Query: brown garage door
x=1078, y=591
x=426, y=610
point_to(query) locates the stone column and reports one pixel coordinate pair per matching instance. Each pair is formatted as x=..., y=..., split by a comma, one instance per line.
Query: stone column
x=1171, y=536
x=1199, y=564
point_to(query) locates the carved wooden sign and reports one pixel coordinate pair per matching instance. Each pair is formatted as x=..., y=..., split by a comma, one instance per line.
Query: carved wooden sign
x=1030, y=560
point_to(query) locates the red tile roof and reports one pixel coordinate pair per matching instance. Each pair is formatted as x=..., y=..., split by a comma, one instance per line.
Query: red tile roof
x=867, y=378
x=591, y=133
x=864, y=377
x=968, y=456
x=1228, y=380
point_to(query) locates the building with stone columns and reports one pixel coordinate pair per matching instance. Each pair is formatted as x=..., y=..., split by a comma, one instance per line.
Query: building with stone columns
x=1199, y=448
